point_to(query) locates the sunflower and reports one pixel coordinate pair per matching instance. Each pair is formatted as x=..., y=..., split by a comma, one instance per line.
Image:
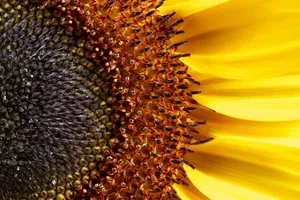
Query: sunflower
x=128, y=99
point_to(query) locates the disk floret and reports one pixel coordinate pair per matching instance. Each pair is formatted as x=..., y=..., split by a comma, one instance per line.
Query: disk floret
x=140, y=97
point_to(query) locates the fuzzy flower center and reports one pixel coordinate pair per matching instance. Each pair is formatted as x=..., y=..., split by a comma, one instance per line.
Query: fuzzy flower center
x=94, y=103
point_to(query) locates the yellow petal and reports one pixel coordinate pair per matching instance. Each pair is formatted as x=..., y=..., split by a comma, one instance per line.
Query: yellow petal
x=188, y=7
x=272, y=99
x=253, y=151
x=244, y=39
x=245, y=169
x=282, y=133
x=217, y=189
x=259, y=109
x=189, y=192
x=281, y=86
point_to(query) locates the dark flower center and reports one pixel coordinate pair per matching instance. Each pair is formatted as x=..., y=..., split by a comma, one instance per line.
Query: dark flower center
x=94, y=101
x=55, y=111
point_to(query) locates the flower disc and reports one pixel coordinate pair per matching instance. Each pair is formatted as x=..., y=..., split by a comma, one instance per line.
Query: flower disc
x=94, y=101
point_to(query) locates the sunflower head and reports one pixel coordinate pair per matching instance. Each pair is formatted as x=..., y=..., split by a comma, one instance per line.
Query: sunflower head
x=95, y=102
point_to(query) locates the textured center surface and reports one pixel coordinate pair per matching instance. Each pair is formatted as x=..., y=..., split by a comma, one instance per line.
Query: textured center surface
x=53, y=108
x=95, y=102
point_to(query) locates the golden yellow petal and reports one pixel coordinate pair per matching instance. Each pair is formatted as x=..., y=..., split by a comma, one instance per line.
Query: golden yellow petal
x=222, y=190
x=244, y=39
x=272, y=99
x=283, y=133
x=259, y=108
x=189, y=192
x=258, y=152
x=254, y=155
x=244, y=169
x=188, y=7
x=280, y=86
